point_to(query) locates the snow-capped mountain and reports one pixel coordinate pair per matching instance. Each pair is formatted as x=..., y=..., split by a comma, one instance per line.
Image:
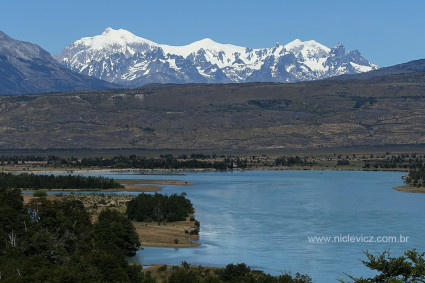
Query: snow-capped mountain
x=121, y=57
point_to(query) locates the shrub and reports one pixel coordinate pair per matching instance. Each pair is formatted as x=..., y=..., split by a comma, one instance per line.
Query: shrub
x=343, y=162
x=39, y=193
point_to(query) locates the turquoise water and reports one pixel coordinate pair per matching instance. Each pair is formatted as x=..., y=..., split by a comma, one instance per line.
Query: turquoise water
x=265, y=219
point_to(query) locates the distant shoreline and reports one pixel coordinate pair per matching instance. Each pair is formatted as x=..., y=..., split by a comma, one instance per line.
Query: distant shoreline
x=38, y=170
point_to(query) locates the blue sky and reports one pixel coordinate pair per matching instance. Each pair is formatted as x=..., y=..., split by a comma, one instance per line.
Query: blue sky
x=385, y=32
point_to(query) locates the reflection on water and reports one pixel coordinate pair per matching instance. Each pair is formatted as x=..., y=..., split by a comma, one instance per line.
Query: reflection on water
x=264, y=218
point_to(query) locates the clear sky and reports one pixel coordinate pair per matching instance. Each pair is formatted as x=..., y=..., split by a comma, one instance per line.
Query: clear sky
x=386, y=32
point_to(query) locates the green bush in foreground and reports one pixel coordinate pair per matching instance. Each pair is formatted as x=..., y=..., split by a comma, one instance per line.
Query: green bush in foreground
x=407, y=268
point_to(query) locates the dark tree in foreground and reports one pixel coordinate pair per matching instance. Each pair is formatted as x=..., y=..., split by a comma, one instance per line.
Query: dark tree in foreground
x=55, y=241
x=115, y=229
x=407, y=268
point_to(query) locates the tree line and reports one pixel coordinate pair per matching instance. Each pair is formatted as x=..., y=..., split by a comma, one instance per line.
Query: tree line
x=211, y=161
x=33, y=181
x=404, y=161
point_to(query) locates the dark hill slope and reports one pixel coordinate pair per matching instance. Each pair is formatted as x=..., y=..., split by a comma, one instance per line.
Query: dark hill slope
x=404, y=68
x=388, y=110
x=27, y=68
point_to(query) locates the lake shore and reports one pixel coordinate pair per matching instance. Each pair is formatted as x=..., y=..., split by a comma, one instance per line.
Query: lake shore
x=167, y=235
x=151, y=234
x=133, y=185
x=410, y=189
x=72, y=170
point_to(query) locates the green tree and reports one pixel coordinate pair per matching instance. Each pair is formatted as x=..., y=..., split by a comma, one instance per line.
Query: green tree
x=159, y=207
x=407, y=268
x=114, y=228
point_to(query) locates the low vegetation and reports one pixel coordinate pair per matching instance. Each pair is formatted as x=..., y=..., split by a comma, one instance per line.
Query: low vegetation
x=231, y=273
x=40, y=193
x=163, y=162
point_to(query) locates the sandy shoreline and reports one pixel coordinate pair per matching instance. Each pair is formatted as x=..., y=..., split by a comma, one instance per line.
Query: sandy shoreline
x=410, y=189
x=133, y=185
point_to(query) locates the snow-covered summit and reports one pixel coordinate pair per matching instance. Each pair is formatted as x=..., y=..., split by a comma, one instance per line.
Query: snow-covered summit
x=206, y=44
x=111, y=37
x=307, y=49
x=122, y=57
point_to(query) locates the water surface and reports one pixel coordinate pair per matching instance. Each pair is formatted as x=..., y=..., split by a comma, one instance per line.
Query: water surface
x=264, y=218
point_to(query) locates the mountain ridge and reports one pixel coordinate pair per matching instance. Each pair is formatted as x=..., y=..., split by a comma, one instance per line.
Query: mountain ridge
x=122, y=57
x=27, y=68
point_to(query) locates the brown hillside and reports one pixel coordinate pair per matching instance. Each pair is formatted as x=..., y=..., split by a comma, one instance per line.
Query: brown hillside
x=386, y=110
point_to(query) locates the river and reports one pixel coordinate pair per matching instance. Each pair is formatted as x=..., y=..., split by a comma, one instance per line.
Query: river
x=268, y=219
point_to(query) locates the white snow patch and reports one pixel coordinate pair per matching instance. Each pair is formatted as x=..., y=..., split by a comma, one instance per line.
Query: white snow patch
x=361, y=68
x=202, y=72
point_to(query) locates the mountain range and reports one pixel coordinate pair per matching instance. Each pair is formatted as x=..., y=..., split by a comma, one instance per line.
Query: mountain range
x=27, y=68
x=121, y=57
x=117, y=59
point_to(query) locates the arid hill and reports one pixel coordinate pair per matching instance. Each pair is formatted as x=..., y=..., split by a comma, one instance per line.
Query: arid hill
x=380, y=111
